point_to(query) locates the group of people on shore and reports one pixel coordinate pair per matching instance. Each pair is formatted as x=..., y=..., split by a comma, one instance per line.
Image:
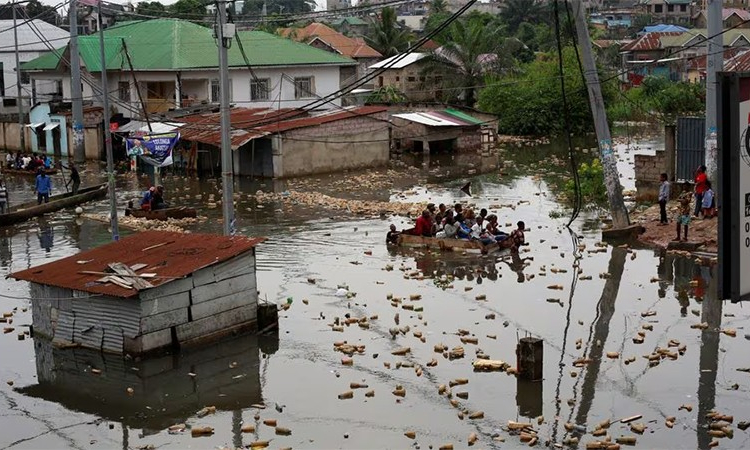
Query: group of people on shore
x=705, y=202
x=462, y=223
x=28, y=161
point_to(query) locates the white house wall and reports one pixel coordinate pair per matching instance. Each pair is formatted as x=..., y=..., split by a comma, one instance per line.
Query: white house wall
x=326, y=81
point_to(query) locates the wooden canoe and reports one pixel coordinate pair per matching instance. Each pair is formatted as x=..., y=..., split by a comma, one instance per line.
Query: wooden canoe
x=28, y=173
x=450, y=244
x=26, y=211
x=163, y=214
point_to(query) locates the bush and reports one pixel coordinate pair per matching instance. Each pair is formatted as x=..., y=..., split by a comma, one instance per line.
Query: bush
x=592, y=187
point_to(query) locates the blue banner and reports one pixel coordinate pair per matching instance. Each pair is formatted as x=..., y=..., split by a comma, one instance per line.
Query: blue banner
x=155, y=149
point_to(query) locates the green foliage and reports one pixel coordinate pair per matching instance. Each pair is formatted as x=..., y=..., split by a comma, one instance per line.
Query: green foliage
x=277, y=7
x=516, y=12
x=530, y=102
x=464, y=53
x=188, y=9
x=660, y=99
x=154, y=8
x=593, y=190
x=388, y=95
x=37, y=10
x=438, y=7
x=387, y=36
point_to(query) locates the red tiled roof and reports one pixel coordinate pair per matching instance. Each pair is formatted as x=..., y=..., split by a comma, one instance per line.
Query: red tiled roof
x=180, y=255
x=648, y=41
x=248, y=124
x=353, y=48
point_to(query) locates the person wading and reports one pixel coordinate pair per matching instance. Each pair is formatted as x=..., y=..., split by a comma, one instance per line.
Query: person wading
x=43, y=187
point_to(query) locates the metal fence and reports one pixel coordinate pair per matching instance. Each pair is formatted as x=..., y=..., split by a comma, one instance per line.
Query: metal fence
x=691, y=143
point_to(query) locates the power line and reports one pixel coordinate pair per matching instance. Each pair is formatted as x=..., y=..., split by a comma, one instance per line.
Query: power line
x=29, y=19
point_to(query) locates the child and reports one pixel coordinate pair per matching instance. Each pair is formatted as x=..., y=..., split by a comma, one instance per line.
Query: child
x=518, y=237
x=392, y=236
x=708, y=201
x=683, y=219
x=663, y=199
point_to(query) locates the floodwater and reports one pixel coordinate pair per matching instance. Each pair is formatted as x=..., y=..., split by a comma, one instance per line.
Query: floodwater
x=55, y=401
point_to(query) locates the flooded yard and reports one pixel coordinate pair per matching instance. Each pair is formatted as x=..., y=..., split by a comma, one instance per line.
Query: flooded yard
x=627, y=331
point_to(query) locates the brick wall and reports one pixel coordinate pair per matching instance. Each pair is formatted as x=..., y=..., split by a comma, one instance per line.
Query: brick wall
x=648, y=169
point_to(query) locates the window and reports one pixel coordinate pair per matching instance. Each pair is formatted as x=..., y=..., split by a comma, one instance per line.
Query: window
x=304, y=87
x=398, y=78
x=658, y=8
x=380, y=81
x=216, y=92
x=683, y=8
x=123, y=91
x=410, y=79
x=670, y=8
x=259, y=89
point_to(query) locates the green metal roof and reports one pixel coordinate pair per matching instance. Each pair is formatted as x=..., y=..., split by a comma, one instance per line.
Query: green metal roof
x=463, y=116
x=173, y=44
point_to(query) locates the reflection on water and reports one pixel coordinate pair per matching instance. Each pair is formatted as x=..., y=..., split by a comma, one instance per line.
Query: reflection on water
x=46, y=235
x=226, y=375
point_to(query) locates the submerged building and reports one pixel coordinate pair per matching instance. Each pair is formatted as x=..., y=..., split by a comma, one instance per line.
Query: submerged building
x=148, y=291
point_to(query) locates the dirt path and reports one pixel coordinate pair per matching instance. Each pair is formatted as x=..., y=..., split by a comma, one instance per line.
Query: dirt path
x=701, y=231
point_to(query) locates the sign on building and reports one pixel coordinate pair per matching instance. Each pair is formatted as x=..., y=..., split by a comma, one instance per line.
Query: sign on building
x=734, y=186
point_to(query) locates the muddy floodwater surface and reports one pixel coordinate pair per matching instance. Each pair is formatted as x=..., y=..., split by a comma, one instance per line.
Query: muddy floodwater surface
x=614, y=306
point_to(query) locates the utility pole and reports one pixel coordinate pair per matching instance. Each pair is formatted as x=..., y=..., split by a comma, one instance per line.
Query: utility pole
x=79, y=151
x=224, y=34
x=19, y=91
x=714, y=64
x=107, y=133
x=617, y=208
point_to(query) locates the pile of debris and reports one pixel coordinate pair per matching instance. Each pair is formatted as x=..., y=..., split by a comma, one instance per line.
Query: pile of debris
x=360, y=207
x=143, y=224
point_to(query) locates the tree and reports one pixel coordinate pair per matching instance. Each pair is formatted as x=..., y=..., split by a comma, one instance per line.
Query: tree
x=471, y=50
x=188, y=9
x=438, y=6
x=154, y=8
x=37, y=10
x=386, y=35
x=515, y=12
x=530, y=103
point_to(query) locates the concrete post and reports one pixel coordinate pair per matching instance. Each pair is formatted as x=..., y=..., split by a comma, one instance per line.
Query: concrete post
x=530, y=358
x=670, y=151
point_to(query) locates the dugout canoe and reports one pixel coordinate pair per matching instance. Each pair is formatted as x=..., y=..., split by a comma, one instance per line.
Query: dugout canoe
x=450, y=244
x=26, y=211
x=163, y=214
x=28, y=173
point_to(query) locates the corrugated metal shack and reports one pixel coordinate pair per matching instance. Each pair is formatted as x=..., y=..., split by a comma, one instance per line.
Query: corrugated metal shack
x=170, y=289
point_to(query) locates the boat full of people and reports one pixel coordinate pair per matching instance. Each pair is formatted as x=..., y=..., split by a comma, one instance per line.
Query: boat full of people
x=459, y=229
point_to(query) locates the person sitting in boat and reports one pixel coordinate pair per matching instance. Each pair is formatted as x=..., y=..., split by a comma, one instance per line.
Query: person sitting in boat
x=470, y=218
x=157, y=199
x=25, y=161
x=494, y=230
x=392, y=236
x=9, y=160
x=146, y=200
x=450, y=226
x=483, y=214
x=423, y=226
x=518, y=237
x=3, y=198
x=43, y=187
x=458, y=213
x=440, y=214
x=433, y=218
x=19, y=160
x=479, y=233
x=47, y=162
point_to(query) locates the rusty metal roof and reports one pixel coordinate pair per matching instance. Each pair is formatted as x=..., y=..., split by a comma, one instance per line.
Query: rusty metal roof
x=170, y=255
x=252, y=123
x=648, y=41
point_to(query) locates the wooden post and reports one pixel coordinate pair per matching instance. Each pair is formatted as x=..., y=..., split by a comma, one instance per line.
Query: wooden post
x=530, y=358
x=268, y=317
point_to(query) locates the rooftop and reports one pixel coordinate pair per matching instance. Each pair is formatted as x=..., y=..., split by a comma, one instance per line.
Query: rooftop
x=399, y=61
x=443, y=118
x=353, y=48
x=173, y=44
x=648, y=41
x=169, y=255
x=28, y=41
x=252, y=123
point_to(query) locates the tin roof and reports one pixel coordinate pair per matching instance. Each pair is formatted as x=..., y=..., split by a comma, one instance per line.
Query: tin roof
x=399, y=61
x=648, y=41
x=28, y=40
x=169, y=255
x=343, y=44
x=252, y=123
x=445, y=118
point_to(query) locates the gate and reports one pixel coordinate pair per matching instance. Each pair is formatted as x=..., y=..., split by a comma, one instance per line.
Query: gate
x=691, y=144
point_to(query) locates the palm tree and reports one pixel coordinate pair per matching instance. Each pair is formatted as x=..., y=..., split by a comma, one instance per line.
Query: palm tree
x=438, y=6
x=515, y=12
x=471, y=52
x=387, y=36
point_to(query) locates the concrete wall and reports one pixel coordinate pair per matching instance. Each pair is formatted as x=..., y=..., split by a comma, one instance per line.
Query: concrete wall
x=648, y=168
x=407, y=132
x=411, y=81
x=344, y=144
x=10, y=137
